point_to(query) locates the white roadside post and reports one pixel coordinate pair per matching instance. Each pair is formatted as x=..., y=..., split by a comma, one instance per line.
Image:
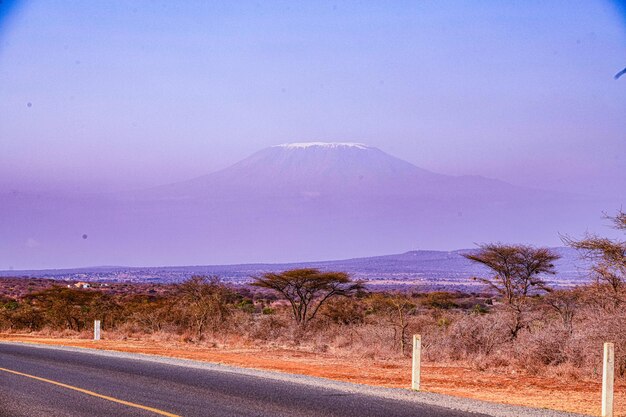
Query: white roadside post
x=608, y=370
x=417, y=359
x=96, y=330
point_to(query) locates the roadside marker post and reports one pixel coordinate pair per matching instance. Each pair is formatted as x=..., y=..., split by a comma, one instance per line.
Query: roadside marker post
x=417, y=362
x=608, y=371
x=96, y=330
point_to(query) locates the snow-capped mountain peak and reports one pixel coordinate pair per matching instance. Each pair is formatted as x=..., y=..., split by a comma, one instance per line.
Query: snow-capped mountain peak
x=314, y=167
x=328, y=145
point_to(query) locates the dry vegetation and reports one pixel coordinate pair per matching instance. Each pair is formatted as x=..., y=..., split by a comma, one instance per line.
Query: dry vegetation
x=521, y=327
x=562, y=335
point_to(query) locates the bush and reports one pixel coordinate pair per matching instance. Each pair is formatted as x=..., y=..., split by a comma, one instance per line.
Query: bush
x=562, y=334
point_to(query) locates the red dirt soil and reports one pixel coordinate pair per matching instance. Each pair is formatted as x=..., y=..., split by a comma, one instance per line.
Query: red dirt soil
x=542, y=392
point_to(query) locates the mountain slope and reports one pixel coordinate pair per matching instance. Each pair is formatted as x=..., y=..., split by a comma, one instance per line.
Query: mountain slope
x=290, y=202
x=316, y=169
x=426, y=269
x=303, y=169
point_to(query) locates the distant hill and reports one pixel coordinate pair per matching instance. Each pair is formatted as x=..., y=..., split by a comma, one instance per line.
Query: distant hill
x=414, y=269
x=301, y=201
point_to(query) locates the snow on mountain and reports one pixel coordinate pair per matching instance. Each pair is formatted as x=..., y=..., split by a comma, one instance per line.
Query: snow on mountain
x=326, y=145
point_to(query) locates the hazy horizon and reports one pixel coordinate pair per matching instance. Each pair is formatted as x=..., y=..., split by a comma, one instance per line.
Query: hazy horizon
x=511, y=98
x=293, y=203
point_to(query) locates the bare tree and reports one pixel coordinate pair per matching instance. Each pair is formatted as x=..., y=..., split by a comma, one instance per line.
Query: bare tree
x=518, y=272
x=619, y=220
x=566, y=304
x=308, y=289
x=395, y=309
x=204, y=301
x=608, y=257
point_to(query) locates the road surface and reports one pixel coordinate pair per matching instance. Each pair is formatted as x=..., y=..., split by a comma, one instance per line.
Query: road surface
x=93, y=385
x=48, y=382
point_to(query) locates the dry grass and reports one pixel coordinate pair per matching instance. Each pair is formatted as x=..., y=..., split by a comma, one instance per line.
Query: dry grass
x=557, y=392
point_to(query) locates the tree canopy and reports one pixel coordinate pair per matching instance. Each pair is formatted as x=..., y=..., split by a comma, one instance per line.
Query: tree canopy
x=517, y=274
x=517, y=269
x=308, y=289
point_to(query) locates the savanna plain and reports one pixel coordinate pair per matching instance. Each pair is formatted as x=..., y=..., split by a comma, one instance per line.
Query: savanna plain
x=516, y=341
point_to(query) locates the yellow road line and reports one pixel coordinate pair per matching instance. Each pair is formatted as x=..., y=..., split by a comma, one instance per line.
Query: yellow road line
x=93, y=394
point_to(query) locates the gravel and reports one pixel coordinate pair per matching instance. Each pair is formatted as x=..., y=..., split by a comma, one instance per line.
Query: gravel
x=447, y=401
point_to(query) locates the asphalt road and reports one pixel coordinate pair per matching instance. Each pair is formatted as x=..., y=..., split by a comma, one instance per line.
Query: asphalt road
x=94, y=385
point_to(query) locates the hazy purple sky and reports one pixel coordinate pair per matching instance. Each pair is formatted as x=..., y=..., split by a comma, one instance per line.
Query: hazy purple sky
x=132, y=94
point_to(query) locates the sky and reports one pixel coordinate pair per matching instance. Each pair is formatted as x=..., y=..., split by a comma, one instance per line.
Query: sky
x=120, y=95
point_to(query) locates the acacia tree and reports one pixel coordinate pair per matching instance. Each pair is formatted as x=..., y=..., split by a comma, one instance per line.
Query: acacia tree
x=308, y=289
x=517, y=275
x=608, y=257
